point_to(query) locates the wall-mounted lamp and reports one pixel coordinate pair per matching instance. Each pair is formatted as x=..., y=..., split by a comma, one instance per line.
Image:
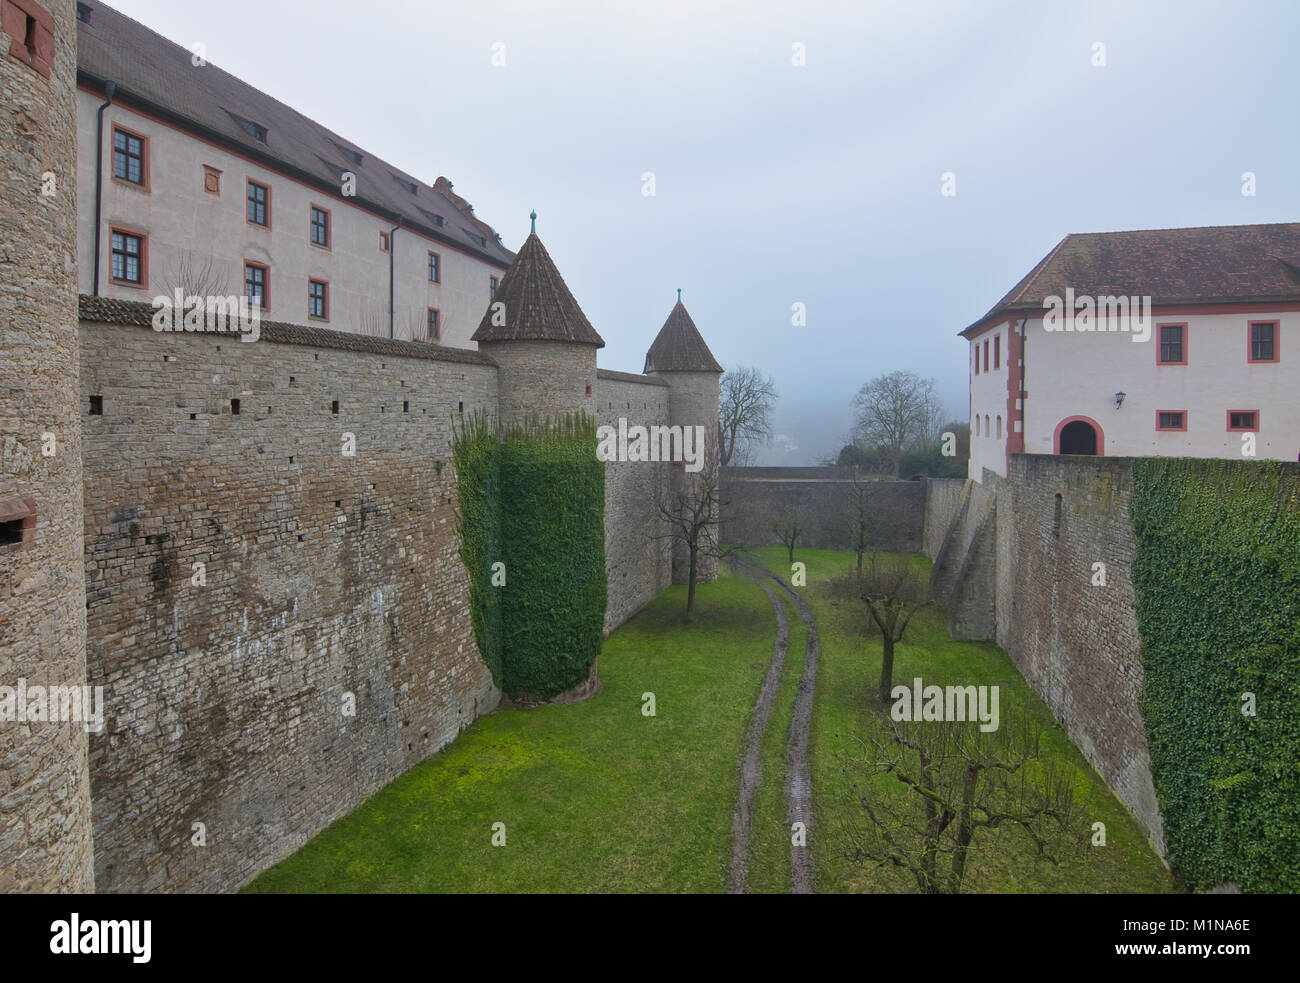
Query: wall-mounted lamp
x=1119, y=399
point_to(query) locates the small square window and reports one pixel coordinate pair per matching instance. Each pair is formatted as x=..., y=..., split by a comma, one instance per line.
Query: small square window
x=1171, y=420
x=1243, y=420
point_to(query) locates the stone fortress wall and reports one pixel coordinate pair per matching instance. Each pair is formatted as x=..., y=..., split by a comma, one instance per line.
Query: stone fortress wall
x=45, y=814
x=329, y=647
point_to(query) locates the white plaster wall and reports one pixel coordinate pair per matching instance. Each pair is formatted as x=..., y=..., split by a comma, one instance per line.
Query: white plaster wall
x=1077, y=374
x=179, y=215
x=989, y=397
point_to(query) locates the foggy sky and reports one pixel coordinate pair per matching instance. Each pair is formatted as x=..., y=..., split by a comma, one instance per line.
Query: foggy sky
x=778, y=184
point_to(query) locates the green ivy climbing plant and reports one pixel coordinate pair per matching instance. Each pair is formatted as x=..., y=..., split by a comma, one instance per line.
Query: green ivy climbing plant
x=532, y=529
x=1217, y=579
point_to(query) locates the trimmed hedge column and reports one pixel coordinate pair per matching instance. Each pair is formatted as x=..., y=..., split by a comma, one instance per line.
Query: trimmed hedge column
x=532, y=496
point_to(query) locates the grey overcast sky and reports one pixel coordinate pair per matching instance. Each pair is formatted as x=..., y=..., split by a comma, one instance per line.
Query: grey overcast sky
x=777, y=184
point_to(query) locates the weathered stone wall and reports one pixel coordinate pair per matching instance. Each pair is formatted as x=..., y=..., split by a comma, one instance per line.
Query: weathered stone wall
x=1016, y=566
x=1075, y=643
x=942, y=502
x=45, y=814
x=825, y=507
x=637, y=553
x=952, y=568
x=328, y=578
x=546, y=378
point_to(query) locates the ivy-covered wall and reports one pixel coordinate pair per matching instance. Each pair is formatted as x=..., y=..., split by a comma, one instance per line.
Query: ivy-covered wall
x=1217, y=579
x=532, y=498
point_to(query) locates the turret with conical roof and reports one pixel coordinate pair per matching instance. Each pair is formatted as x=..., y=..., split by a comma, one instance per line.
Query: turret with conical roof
x=680, y=357
x=540, y=338
x=679, y=346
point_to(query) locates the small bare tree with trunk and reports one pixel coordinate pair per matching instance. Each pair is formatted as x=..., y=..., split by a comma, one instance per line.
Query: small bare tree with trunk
x=746, y=399
x=893, y=590
x=959, y=782
x=787, y=524
x=690, y=510
x=861, y=513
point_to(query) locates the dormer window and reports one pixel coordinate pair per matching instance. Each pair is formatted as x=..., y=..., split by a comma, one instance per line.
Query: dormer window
x=83, y=13
x=408, y=185
x=433, y=219
x=255, y=130
x=350, y=154
x=482, y=242
x=334, y=169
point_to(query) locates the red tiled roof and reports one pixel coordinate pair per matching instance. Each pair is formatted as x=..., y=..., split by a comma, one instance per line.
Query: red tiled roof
x=1208, y=265
x=536, y=304
x=679, y=347
x=105, y=310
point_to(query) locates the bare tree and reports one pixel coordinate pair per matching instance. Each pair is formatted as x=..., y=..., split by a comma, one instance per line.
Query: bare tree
x=788, y=522
x=897, y=411
x=746, y=399
x=960, y=781
x=861, y=512
x=691, y=512
x=373, y=323
x=893, y=590
x=196, y=278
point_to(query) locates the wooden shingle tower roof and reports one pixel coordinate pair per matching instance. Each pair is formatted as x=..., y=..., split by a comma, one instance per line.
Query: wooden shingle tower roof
x=679, y=346
x=536, y=304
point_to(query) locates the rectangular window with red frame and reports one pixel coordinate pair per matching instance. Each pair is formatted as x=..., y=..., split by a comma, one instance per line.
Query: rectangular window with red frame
x=1171, y=348
x=1175, y=420
x=257, y=284
x=997, y=351
x=1263, y=341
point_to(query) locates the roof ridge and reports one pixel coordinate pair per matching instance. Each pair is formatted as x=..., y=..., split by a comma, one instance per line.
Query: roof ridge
x=1183, y=228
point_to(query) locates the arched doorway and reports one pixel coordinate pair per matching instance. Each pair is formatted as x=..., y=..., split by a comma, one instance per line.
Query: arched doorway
x=1078, y=435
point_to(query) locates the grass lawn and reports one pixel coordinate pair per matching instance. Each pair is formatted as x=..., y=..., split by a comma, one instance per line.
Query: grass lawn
x=597, y=797
x=844, y=710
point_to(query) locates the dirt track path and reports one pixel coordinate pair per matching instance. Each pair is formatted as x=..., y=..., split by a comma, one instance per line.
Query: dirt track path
x=751, y=768
x=798, y=779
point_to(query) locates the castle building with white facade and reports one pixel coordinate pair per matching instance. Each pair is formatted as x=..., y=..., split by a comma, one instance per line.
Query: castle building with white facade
x=190, y=179
x=1179, y=342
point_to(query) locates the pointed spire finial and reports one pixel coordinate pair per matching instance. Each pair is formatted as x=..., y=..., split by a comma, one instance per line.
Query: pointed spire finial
x=679, y=295
x=533, y=216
